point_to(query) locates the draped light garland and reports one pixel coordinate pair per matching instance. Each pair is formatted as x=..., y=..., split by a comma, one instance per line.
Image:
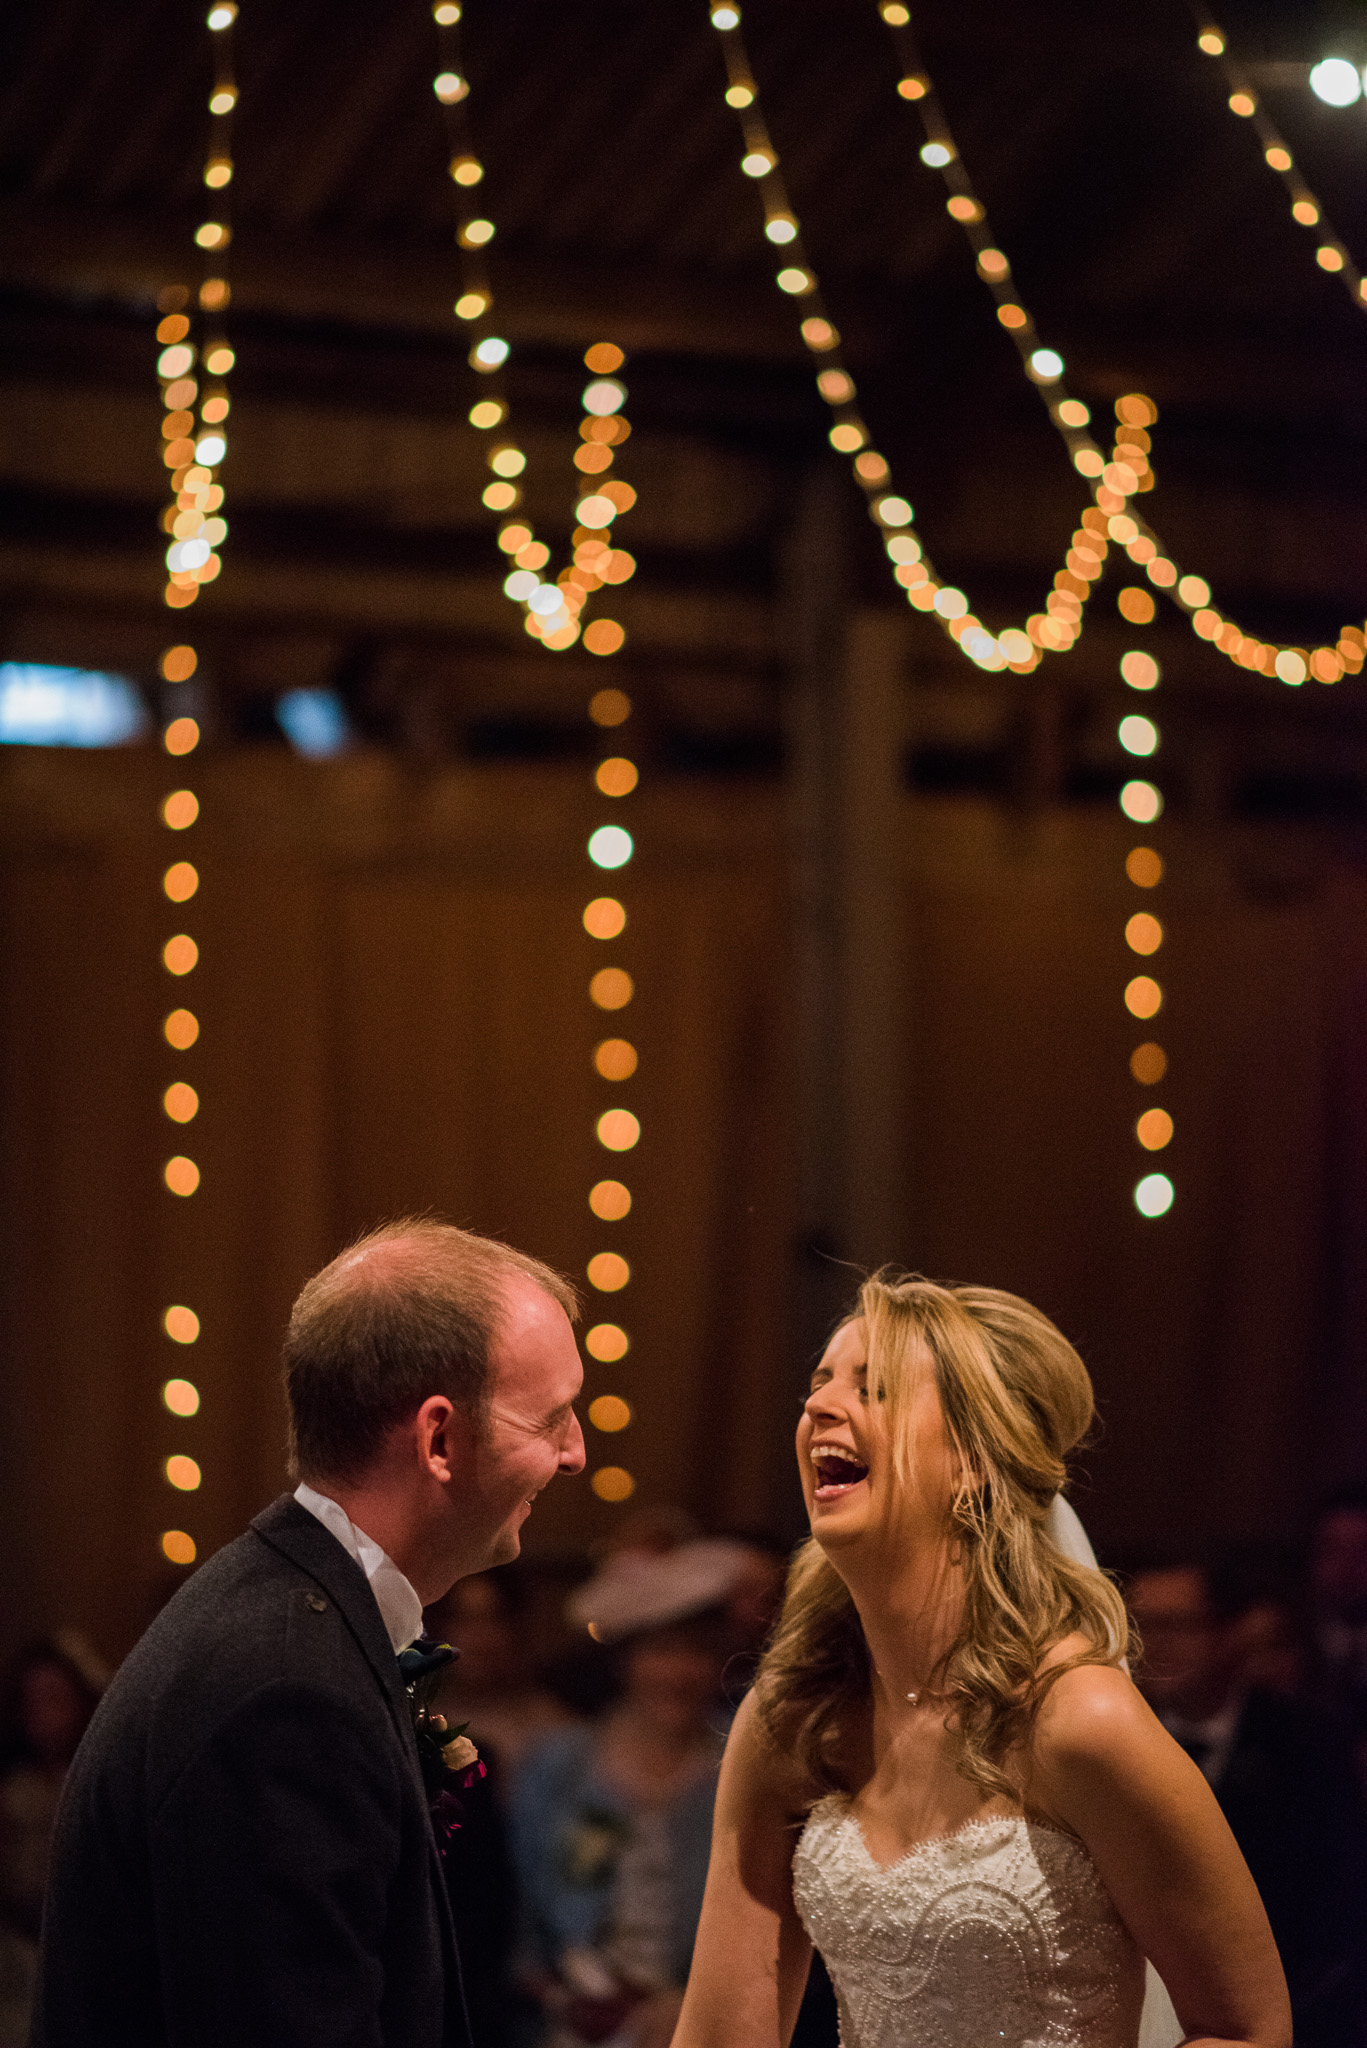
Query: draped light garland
x=194, y=450
x=552, y=609
x=1141, y=541
x=1331, y=253
x=192, y=375
x=1114, y=482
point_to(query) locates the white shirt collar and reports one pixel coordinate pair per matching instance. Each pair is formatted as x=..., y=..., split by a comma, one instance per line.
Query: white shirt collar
x=400, y=1608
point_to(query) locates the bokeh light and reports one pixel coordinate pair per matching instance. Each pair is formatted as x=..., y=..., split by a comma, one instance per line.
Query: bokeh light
x=610, y=846
x=181, y=1324
x=617, y=776
x=181, y=1397
x=604, y=918
x=181, y=735
x=609, y=1413
x=1141, y=803
x=1144, y=867
x=613, y=1483
x=182, y=1473
x=1148, y=1063
x=608, y=1272
x=607, y=1342
x=1154, y=1130
x=181, y=1175
x=611, y=988
x=179, y=954
x=1135, y=605
x=179, y=809
x=618, y=1130
x=615, y=1059
x=609, y=707
x=180, y=1102
x=177, y=1546
x=1143, y=933
x=1139, y=670
x=1143, y=996
x=1153, y=1195
x=181, y=1029
x=180, y=881
x=610, y=1200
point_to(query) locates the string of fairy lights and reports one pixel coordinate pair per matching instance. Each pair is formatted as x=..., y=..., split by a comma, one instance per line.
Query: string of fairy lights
x=552, y=608
x=553, y=615
x=192, y=367
x=1114, y=482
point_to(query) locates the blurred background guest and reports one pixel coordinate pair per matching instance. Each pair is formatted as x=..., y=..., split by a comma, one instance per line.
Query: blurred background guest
x=1281, y=1770
x=612, y=1820
x=48, y=1699
x=1338, y=1591
x=493, y=1684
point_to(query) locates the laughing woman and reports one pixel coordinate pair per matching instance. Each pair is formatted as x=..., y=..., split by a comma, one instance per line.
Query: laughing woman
x=944, y=1777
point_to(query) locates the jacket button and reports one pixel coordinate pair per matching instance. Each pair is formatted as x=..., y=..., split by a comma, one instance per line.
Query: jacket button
x=316, y=1602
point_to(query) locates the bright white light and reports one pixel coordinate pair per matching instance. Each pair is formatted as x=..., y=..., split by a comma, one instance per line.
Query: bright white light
x=1141, y=802
x=1138, y=735
x=1290, y=666
x=605, y=395
x=756, y=163
x=489, y=353
x=936, y=154
x=726, y=17
x=42, y=706
x=595, y=511
x=781, y=228
x=1153, y=1195
x=314, y=722
x=210, y=449
x=610, y=847
x=520, y=585
x=1046, y=364
x=186, y=554
x=545, y=599
x=894, y=511
x=1336, y=82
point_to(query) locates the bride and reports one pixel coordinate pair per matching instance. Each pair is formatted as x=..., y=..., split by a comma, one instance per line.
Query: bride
x=944, y=1777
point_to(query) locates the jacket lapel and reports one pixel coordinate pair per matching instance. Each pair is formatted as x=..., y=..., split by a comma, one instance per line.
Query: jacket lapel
x=296, y=1534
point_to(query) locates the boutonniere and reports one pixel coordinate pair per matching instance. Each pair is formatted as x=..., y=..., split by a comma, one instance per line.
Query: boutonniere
x=450, y=1762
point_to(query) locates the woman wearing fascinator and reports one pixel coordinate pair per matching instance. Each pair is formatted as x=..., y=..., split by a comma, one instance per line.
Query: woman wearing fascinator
x=944, y=1778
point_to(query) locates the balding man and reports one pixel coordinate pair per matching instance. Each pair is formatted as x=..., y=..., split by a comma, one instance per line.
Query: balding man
x=244, y=1856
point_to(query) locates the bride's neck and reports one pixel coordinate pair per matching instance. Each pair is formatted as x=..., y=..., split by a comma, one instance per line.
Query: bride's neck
x=910, y=1618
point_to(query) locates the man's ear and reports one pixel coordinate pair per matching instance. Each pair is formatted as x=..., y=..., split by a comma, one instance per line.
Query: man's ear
x=442, y=1439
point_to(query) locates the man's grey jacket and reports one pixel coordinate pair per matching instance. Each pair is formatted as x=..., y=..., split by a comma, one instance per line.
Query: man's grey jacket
x=243, y=1857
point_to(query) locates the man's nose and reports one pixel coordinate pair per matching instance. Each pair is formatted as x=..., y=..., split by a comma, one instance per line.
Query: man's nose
x=574, y=1457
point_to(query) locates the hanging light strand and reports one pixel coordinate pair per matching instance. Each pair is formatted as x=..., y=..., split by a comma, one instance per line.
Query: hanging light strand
x=1141, y=800
x=552, y=607
x=1331, y=253
x=1056, y=627
x=1191, y=593
x=194, y=373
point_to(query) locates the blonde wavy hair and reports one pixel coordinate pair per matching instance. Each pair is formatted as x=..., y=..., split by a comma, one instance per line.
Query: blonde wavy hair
x=1016, y=1399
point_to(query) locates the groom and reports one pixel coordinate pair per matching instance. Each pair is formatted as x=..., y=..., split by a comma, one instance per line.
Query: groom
x=244, y=1857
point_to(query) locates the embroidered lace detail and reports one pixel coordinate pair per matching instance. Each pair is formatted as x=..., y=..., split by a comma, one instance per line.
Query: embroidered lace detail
x=1000, y=1933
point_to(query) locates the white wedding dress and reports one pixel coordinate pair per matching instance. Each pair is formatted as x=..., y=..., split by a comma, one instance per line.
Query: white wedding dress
x=999, y=1935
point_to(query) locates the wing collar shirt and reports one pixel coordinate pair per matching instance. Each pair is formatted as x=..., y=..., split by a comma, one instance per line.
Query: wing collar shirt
x=400, y=1607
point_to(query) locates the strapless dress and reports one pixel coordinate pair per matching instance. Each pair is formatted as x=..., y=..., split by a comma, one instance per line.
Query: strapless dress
x=1000, y=1935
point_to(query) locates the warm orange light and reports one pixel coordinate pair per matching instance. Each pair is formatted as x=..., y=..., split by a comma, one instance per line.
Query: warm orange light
x=604, y=918
x=615, y=1059
x=180, y=1102
x=182, y=1327
x=179, y=809
x=181, y=735
x=603, y=358
x=181, y=1029
x=610, y=1200
x=178, y=664
x=179, y=954
x=1143, y=996
x=182, y=1473
x=1143, y=933
x=1144, y=867
x=611, y=988
x=177, y=1546
x=609, y=707
x=1012, y=315
x=1135, y=605
x=180, y=881
x=181, y=1175
x=618, y=1130
x=1154, y=1130
x=181, y=1397
x=617, y=776
x=1148, y=1063
x=619, y=566
x=608, y=1272
x=613, y=1483
x=607, y=1342
x=609, y=1413
x=173, y=328
x=604, y=636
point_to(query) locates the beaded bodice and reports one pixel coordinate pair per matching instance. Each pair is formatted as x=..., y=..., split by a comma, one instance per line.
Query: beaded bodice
x=999, y=1933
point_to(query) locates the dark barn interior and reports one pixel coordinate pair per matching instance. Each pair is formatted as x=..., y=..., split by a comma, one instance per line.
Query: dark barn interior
x=878, y=900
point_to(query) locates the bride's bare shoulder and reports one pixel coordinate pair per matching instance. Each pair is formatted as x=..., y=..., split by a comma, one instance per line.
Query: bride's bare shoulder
x=761, y=1769
x=1091, y=1714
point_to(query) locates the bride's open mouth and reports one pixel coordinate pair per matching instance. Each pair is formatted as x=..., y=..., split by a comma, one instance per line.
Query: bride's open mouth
x=838, y=1472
